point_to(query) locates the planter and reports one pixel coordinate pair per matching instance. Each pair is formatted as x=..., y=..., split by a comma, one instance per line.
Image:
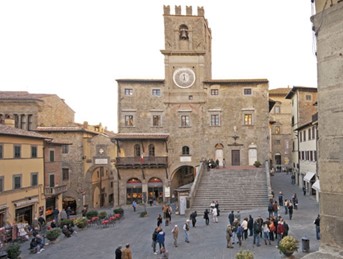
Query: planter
x=288, y=253
x=53, y=234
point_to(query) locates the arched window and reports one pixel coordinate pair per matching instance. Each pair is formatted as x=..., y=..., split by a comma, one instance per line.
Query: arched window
x=185, y=150
x=137, y=150
x=151, y=150
x=183, y=30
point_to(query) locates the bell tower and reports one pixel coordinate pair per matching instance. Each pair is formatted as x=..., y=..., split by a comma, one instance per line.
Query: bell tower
x=187, y=50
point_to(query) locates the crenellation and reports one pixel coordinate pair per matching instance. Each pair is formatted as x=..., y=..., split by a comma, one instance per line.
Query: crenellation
x=201, y=11
x=177, y=9
x=189, y=10
x=166, y=9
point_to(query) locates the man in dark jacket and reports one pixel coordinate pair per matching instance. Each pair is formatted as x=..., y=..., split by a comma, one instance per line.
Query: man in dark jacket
x=118, y=252
x=231, y=217
x=193, y=218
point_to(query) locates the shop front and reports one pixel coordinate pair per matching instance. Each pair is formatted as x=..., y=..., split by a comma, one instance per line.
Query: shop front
x=24, y=214
x=50, y=205
x=133, y=191
x=155, y=190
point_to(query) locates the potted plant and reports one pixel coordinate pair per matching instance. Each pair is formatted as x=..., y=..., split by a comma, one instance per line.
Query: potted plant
x=13, y=251
x=53, y=234
x=91, y=214
x=244, y=254
x=143, y=214
x=257, y=164
x=119, y=211
x=288, y=245
x=102, y=214
x=81, y=222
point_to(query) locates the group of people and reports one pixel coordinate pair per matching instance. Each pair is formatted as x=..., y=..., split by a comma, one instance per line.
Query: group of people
x=274, y=207
x=123, y=253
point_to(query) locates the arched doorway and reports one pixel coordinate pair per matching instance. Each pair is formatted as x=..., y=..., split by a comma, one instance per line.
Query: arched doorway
x=182, y=176
x=70, y=202
x=155, y=189
x=219, y=153
x=133, y=190
x=278, y=161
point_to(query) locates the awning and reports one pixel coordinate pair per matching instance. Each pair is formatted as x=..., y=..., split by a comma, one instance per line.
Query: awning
x=316, y=186
x=308, y=176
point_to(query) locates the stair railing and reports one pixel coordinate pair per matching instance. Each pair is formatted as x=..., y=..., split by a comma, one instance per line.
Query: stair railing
x=199, y=172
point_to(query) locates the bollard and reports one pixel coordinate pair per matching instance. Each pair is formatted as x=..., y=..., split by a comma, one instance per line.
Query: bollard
x=305, y=244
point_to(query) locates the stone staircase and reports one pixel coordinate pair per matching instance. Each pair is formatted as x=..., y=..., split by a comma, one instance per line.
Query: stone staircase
x=235, y=188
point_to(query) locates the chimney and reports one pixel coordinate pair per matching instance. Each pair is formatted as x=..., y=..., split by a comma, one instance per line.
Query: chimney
x=9, y=122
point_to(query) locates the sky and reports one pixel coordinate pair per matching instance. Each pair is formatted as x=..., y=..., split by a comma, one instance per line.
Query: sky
x=77, y=49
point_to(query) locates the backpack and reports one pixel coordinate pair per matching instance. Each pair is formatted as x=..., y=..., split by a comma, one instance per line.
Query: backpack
x=270, y=207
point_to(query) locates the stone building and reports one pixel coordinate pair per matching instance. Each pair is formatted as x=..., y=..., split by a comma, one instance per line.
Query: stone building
x=281, y=129
x=32, y=110
x=87, y=165
x=303, y=107
x=188, y=116
x=21, y=174
x=328, y=29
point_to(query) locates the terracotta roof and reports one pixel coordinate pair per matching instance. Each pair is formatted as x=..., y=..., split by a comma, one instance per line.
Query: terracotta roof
x=300, y=88
x=8, y=130
x=141, y=136
x=237, y=81
x=280, y=91
x=20, y=95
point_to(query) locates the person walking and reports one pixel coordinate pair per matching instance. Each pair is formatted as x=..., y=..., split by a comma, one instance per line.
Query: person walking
x=239, y=233
x=257, y=232
x=161, y=239
x=245, y=228
x=290, y=211
x=266, y=230
x=56, y=213
x=118, y=252
x=231, y=217
x=235, y=225
x=304, y=190
x=185, y=230
x=217, y=207
x=317, y=223
x=134, y=205
x=159, y=220
x=127, y=253
x=154, y=239
x=286, y=204
x=251, y=225
x=215, y=215
x=193, y=218
x=207, y=219
x=228, y=236
x=280, y=198
x=175, y=232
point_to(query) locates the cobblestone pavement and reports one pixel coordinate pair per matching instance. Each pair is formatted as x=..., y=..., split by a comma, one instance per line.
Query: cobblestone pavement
x=205, y=241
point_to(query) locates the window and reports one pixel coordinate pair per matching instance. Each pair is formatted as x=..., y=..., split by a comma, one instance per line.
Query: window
x=1, y=152
x=315, y=155
x=185, y=150
x=34, y=179
x=247, y=119
x=129, y=120
x=65, y=174
x=183, y=32
x=52, y=155
x=137, y=150
x=185, y=122
x=128, y=91
x=29, y=122
x=247, y=91
x=304, y=135
x=16, y=182
x=151, y=150
x=17, y=151
x=156, y=120
x=277, y=109
x=313, y=132
x=277, y=142
x=33, y=151
x=215, y=120
x=301, y=136
x=308, y=97
x=51, y=180
x=214, y=91
x=156, y=92
x=65, y=149
x=1, y=183
x=311, y=155
x=309, y=133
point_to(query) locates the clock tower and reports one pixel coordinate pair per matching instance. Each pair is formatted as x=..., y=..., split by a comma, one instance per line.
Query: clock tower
x=187, y=53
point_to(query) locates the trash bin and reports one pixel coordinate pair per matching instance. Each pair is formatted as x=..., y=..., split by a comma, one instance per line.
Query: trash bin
x=305, y=244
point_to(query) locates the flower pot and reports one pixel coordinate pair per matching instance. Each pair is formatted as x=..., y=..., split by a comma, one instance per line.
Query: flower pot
x=288, y=253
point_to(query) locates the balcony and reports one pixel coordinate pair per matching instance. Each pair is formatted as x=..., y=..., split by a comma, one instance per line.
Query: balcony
x=55, y=190
x=138, y=162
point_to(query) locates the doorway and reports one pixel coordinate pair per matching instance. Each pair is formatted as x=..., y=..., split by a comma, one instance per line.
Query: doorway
x=235, y=157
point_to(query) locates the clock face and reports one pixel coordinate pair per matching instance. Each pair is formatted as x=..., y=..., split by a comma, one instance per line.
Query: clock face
x=184, y=77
